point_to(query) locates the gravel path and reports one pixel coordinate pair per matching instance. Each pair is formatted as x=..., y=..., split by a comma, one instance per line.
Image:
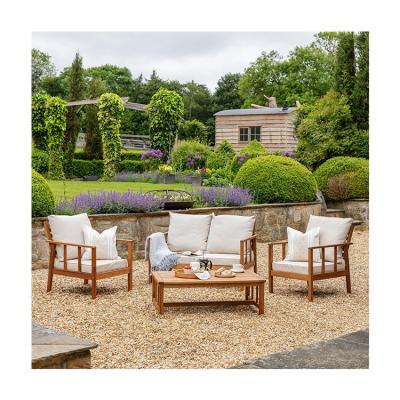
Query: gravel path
x=131, y=335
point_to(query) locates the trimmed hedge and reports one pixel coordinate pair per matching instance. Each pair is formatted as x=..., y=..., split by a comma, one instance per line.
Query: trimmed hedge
x=131, y=165
x=190, y=155
x=277, y=179
x=133, y=155
x=342, y=178
x=42, y=197
x=81, y=168
x=252, y=150
x=40, y=160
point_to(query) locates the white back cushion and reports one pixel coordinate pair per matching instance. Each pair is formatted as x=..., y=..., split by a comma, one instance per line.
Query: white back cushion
x=188, y=232
x=68, y=228
x=105, y=242
x=298, y=243
x=226, y=232
x=331, y=231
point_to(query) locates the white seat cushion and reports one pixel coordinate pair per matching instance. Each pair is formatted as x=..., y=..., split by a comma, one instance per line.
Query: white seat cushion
x=68, y=228
x=216, y=259
x=101, y=265
x=301, y=267
x=105, y=242
x=226, y=232
x=188, y=232
x=331, y=231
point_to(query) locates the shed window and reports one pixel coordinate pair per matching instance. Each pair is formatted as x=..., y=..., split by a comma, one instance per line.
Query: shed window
x=249, y=133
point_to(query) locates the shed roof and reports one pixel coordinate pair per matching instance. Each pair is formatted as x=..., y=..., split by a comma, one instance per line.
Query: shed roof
x=256, y=111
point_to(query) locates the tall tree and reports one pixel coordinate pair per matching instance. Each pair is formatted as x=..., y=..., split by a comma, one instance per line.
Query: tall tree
x=226, y=95
x=345, y=71
x=198, y=102
x=360, y=98
x=93, y=146
x=42, y=67
x=76, y=92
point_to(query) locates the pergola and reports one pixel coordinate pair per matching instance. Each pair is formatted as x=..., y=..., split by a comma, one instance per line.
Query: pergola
x=128, y=105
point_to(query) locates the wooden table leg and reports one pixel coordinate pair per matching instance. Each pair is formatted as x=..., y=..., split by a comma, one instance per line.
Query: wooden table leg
x=247, y=292
x=160, y=298
x=257, y=294
x=261, y=298
x=153, y=292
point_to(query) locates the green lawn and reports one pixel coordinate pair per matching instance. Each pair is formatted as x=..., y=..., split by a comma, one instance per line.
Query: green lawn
x=73, y=188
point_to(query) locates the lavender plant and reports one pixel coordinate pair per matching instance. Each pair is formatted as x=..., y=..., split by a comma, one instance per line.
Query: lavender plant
x=225, y=197
x=109, y=203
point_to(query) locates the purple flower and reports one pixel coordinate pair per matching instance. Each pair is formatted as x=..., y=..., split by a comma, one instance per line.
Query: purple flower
x=242, y=158
x=289, y=154
x=109, y=203
x=225, y=197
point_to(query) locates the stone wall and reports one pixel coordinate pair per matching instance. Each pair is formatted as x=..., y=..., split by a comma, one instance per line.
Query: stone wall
x=271, y=223
x=356, y=208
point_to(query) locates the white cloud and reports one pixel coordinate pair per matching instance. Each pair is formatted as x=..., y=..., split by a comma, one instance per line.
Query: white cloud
x=200, y=56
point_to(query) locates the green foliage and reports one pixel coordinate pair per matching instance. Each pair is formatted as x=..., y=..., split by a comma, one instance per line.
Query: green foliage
x=165, y=112
x=252, y=150
x=305, y=76
x=134, y=155
x=93, y=146
x=197, y=101
x=187, y=151
x=40, y=160
x=277, y=179
x=42, y=67
x=42, y=197
x=325, y=129
x=342, y=178
x=193, y=130
x=221, y=157
x=132, y=165
x=81, y=168
x=360, y=97
x=39, y=131
x=345, y=69
x=109, y=115
x=55, y=121
x=219, y=177
x=226, y=95
x=76, y=92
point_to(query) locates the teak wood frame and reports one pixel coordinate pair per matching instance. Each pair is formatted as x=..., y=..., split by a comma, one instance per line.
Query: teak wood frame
x=310, y=277
x=93, y=276
x=248, y=255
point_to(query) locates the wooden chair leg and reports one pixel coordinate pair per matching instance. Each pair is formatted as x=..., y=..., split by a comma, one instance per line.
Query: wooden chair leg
x=50, y=279
x=129, y=281
x=85, y=281
x=310, y=290
x=348, y=281
x=271, y=284
x=94, y=289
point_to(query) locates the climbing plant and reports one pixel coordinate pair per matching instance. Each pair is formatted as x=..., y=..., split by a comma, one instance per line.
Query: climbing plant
x=55, y=121
x=39, y=131
x=110, y=114
x=165, y=112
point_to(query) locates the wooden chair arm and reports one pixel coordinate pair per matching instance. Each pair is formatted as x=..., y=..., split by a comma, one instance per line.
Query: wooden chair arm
x=124, y=241
x=57, y=242
x=252, y=237
x=331, y=245
x=272, y=244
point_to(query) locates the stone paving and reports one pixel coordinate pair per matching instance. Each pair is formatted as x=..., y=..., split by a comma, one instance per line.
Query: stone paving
x=52, y=349
x=350, y=351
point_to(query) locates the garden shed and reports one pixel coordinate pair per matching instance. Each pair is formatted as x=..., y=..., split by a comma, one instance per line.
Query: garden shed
x=273, y=127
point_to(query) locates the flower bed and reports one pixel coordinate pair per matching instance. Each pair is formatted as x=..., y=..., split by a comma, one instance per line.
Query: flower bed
x=109, y=203
x=225, y=197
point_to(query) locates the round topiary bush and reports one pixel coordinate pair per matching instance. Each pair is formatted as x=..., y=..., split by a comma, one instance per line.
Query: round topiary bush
x=42, y=197
x=252, y=150
x=342, y=178
x=190, y=155
x=277, y=179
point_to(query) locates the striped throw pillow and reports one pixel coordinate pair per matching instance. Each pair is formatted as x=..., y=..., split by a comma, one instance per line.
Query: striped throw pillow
x=105, y=242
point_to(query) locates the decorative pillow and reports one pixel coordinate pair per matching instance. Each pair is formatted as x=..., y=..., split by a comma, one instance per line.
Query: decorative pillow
x=188, y=232
x=105, y=242
x=68, y=228
x=226, y=232
x=298, y=243
x=331, y=231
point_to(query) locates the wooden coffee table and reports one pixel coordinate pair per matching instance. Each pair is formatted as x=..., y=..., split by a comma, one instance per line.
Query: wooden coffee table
x=248, y=280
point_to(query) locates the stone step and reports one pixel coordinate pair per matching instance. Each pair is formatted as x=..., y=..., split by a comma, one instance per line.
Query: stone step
x=335, y=212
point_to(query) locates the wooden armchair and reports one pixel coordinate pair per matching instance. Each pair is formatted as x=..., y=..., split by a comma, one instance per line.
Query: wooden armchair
x=310, y=270
x=93, y=269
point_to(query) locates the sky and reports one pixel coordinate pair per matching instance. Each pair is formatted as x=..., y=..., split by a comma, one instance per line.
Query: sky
x=184, y=56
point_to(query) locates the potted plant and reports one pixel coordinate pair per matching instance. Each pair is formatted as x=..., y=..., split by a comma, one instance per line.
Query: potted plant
x=166, y=174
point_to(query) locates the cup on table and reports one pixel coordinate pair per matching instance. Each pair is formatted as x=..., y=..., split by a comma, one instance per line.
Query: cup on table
x=237, y=268
x=195, y=265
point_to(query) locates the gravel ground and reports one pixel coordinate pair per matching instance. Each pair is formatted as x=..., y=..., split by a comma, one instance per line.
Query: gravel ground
x=131, y=335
